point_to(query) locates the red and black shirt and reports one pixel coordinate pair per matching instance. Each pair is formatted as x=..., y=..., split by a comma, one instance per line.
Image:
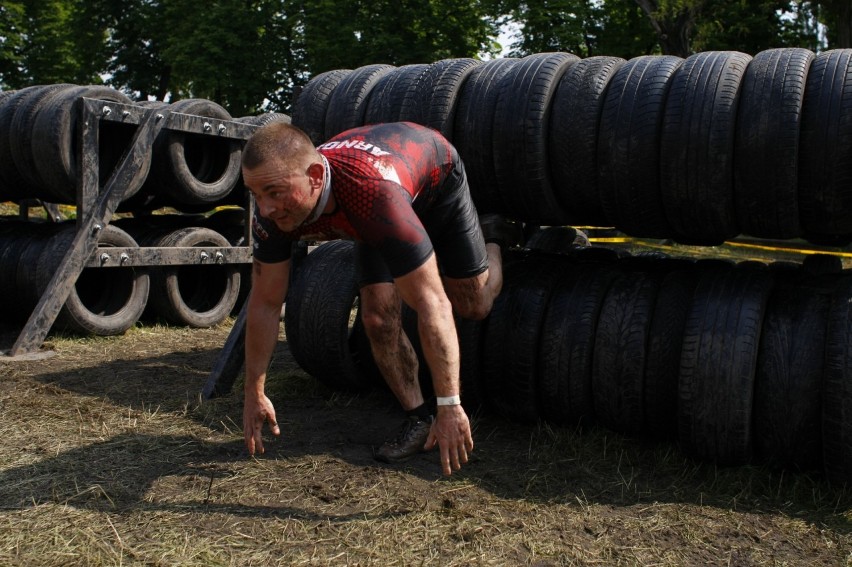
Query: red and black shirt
x=382, y=177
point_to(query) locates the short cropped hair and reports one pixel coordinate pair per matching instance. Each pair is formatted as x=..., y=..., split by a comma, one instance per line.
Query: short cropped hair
x=278, y=141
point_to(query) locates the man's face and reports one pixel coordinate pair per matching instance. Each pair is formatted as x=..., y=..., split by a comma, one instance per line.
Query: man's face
x=284, y=195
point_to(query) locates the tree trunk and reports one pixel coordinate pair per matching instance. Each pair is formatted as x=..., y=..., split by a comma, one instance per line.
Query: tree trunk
x=839, y=17
x=672, y=30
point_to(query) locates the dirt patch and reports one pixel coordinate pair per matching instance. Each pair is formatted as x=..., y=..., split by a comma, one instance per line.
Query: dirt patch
x=109, y=456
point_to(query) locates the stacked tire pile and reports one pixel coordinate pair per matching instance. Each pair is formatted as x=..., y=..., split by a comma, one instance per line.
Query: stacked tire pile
x=698, y=150
x=191, y=174
x=737, y=363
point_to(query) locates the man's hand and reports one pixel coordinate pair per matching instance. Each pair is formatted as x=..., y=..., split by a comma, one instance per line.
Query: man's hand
x=451, y=431
x=257, y=409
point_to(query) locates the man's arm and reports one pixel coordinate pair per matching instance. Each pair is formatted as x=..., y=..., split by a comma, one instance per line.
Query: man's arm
x=268, y=290
x=423, y=291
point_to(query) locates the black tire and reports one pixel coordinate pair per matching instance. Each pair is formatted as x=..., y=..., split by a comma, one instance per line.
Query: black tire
x=821, y=264
x=767, y=143
x=196, y=169
x=837, y=388
x=6, y=94
x=436, y=100
x=17, y=234
x=473, y=380
x=718, y=364
x=24, y=286
x=628, y=154
x=788, y=383
x=25, y=142
x=662, y=362
x=825, y=153
x=516, y=319
x=349, y=100
x=265, y=118
x=567, y=345
x=595, y=254
x=147, y=230
x=12, y=182
x=522, y=133
x=318, y=318
x=393, y=93
x=5, y=192
x=312, y=103
x=104, y=301
x=621, y=348
x=573, y=139
x=27, y=256
x=225, y=219
x=231, y=224
x=697, y=147
x=55, y=140
x=474, y=131
x=198, y=296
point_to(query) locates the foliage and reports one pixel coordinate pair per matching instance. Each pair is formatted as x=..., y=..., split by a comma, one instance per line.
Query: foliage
x=231, y=52
x=836, y=15
x=395, y=32
x=12, y=42
x=51, y=41
x=252, y=55
x=613, y=27
x=751, y=26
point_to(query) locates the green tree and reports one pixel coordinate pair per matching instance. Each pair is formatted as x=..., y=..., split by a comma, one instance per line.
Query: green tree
x=750, y=26
x=571, y=26
x=837, y=17
x=673, y=22
x=800, y=27
x=613, y=27
x=238, y=53
x=53, y=41
x=626, y=31
x=236, y=64
x=137, y=41
x=12, y=42
x=341, y=34
x=687, y=26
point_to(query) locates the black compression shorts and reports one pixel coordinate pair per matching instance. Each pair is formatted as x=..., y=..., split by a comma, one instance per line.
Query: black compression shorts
x=452, y=226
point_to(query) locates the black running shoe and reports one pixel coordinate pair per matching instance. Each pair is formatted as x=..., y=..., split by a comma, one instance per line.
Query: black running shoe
x=409, y=442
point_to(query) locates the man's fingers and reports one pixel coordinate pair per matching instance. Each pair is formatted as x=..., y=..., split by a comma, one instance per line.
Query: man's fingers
x=273, y=426
x=431, y=440
x=249, y=436
x=445, y=460
x=454, y=459
x=258, y=437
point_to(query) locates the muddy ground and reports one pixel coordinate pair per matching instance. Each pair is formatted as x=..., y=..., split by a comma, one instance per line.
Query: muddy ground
x=108, y=456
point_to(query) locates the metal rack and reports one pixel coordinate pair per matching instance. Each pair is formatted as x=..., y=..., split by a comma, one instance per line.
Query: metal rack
x=96, y=205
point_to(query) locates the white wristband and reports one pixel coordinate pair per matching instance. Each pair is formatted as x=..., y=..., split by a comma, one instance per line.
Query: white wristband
x=448, y=401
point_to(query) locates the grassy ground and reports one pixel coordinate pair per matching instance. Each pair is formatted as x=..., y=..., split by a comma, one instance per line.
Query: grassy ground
x=109, y=457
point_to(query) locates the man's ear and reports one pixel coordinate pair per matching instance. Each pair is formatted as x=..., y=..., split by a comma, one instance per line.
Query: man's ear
x=315, y=174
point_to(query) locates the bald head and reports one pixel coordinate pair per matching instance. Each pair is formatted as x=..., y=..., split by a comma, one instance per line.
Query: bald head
x=281, y=142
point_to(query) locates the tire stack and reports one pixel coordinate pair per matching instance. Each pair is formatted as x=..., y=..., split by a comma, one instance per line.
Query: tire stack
x=192, y=174
x=698, y=150
x=738, y=363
